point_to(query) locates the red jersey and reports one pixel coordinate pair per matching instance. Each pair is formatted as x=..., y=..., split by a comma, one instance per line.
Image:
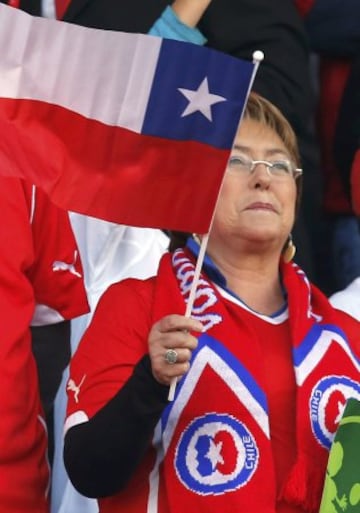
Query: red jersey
x=257, y=386
x=37, y=267
x=97, y=376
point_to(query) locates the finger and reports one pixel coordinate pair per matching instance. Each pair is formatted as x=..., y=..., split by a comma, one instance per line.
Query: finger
x=158, y=353
x=167, y=373
x=177, y=356
x=178, y=340
x=176, y=322
x=172, y=363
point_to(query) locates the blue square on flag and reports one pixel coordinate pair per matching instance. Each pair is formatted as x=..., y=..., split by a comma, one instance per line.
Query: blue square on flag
x=197, y=94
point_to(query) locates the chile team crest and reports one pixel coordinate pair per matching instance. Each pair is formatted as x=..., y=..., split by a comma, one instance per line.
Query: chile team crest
x=216, y=454
x=327, y=403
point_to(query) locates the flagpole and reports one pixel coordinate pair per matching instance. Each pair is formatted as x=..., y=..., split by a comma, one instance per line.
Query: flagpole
x=190, y=303
x=258, y=56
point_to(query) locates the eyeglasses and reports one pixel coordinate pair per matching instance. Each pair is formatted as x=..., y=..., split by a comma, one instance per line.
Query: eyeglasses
x=281, y=169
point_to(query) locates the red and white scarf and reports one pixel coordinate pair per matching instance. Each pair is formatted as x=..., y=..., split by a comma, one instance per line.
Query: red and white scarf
x=213, y=441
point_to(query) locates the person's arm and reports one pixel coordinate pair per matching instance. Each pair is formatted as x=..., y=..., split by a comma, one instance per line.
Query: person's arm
x=111, y=388
x=334, y=28
x=17, y=304
x=190, y=12
x=102, y=454
x=347, y=132
x=179, y=21
x=118, y=387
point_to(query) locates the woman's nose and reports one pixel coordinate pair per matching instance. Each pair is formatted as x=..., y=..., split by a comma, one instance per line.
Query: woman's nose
x=260, y=176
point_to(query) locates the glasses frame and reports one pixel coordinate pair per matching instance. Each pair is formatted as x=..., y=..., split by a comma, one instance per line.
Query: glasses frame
x=251, y=164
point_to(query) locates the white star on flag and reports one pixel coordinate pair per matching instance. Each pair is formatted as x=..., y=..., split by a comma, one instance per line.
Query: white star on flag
x=200, y=100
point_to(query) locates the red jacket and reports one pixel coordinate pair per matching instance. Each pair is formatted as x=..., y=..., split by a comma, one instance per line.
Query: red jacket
x=34, y=235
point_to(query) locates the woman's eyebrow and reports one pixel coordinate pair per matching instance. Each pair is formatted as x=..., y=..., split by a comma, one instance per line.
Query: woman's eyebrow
x=269, y=151
x=241, y=148
x=277, y=151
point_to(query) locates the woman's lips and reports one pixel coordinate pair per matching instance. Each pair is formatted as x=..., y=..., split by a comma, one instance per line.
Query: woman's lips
x=261, y=206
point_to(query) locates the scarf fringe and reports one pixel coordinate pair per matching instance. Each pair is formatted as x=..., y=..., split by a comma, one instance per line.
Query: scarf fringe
x=305, y=484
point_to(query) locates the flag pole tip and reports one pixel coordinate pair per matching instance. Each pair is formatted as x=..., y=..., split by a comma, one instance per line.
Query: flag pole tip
x=258, y=56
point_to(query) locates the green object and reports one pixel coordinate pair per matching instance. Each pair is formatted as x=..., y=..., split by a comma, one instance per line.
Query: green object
x=342, y=482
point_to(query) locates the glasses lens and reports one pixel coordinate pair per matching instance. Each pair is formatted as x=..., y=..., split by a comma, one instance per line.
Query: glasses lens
x=281, y=168
x=240, y=163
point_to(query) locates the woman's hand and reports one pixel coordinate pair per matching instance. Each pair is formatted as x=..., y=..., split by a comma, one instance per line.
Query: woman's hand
x=169, y=340
x=190, y=11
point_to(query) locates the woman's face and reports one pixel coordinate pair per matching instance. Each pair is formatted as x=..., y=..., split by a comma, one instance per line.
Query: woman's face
x=255, y=207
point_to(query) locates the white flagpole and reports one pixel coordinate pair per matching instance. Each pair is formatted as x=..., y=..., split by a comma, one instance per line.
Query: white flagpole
x=190, y=303
x=258, y=56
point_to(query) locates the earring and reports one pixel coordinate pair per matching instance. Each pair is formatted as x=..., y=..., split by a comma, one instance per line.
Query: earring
x=289, y=251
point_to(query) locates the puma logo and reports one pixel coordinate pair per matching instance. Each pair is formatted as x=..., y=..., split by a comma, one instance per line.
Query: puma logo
x=58, y=265
x=73, y=387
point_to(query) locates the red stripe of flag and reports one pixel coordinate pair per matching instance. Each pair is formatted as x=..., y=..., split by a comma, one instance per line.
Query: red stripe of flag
x=77, y=166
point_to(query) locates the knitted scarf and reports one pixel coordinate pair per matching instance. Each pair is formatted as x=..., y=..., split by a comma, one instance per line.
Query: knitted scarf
x=213, y=441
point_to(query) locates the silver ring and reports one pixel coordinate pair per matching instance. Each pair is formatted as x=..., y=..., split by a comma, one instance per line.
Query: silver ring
x=171, y=356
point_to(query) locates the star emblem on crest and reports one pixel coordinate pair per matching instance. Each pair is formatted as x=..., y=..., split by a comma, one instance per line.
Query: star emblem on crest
x=214, y=453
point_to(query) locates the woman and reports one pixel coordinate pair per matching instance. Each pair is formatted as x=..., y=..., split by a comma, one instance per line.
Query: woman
x=263, y=366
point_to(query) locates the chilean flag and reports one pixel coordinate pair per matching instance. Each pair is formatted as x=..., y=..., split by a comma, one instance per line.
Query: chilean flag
x=129, y=128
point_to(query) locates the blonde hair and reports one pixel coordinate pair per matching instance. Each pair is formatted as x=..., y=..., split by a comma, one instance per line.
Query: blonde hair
x=262, y=111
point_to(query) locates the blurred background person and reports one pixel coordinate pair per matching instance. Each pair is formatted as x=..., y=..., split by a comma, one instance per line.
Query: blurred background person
x=40, y=282
x=347, y=157
x=334, y=37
